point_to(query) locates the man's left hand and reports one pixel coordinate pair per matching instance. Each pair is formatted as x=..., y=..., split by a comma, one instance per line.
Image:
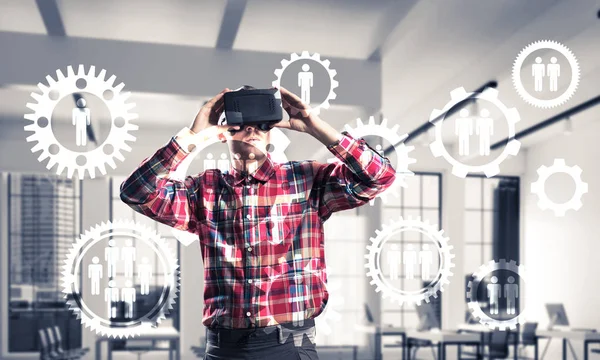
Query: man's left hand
x=301, y=118
x=304, y=120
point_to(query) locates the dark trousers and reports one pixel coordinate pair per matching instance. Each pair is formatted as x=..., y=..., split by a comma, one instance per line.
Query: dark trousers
x=281, y=342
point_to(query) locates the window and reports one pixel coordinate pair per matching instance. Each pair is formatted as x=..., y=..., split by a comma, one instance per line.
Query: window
x=420, y=199
x=344, y=254
x=485, y=199
x=479, y=214
x=119, y=210
x=43, y=221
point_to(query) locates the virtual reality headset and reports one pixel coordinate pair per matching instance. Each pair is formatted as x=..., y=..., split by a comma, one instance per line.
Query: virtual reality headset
x=257, y=107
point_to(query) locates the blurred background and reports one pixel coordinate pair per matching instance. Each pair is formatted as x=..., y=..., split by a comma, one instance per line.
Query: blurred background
x=394, y=60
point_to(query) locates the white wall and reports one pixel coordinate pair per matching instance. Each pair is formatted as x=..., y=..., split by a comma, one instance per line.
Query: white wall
x=561, y=253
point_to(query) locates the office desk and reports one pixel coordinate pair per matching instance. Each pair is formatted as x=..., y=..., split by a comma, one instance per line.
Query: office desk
x=482, y=330
x=392, y=331
x=380, y=332
x=587, y=337
x=154, y=334
x=443, y=339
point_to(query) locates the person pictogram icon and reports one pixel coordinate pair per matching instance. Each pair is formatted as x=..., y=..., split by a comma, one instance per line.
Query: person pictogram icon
x=81, y=118
x=144, y=275
x=425, y=259
x=95, y=274
x=209, y=162
x=494, y=291
x=511, y=292
x=111, y=296
x=409, y=259
x=298, y=294
x=111, y=256
x=275, y=224
x=393, y=258
x=553, y=70
x=538, y=71
x=128, y=254
x=128, y=298
x=485, y=129
x=305, y=82
x=223, y=163
x=464, y=129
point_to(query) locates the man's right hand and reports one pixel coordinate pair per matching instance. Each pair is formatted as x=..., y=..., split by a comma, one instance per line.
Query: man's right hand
x=209, y=114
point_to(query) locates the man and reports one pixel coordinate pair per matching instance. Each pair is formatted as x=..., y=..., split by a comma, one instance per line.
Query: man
x=247, y=289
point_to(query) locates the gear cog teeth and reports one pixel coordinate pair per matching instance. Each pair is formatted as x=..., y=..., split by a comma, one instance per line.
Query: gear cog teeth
x=546, y=45
x=59, y=76
x=51, y=82
x=458, y=168
x=66, y=158
x=409, y=224
x=458, y=94
x=325, y=63
x=118, y=88
x=544, y=202
x=31, y=106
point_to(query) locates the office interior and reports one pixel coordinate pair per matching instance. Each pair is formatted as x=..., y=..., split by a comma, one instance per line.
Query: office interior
x=396, y=63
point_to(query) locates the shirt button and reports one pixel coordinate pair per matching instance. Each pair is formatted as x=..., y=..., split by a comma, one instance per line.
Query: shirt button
x=248, y=313
x=249, y=281
x=248, y=216
x=249, y=249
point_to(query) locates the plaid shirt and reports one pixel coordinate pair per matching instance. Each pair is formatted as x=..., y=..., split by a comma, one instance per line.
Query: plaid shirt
x=261, y=234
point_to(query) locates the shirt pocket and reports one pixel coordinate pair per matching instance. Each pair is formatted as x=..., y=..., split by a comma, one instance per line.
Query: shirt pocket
x=284, y=222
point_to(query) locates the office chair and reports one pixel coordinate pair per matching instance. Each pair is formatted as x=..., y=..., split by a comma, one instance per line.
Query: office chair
x=47, y=353
x=199, y=350
x=528, y=337
x=139, y=347
x=55, y=342
x=498, y=347
x=417, y=344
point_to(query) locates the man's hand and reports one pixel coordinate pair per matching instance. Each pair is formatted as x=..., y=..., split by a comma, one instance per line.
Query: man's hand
x=304, y=120
x=209, y=114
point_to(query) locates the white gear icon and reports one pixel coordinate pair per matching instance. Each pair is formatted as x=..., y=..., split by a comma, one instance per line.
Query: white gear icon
x=399, y=295
x=544, y=201
x=473, y=302
x=42, y=121
x=72, y=269
x=391, y=135
x=493, y=167
x=325, y=63
x=550, y=45
x=277, y=146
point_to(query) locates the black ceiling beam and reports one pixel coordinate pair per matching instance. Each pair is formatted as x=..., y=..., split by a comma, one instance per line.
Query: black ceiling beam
x=230, y=24
x=544, y=124
x=427, y=125
x=51, y=17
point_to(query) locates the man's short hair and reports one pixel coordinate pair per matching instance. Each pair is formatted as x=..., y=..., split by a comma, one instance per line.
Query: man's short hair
x=247, y=87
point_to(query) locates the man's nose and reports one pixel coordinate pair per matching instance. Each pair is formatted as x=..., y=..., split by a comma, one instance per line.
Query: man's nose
x=250, y=128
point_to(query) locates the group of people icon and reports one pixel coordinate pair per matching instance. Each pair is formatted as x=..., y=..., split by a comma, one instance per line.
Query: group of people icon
x=410, y=258
x=494, y=293
x=484, y=127
x=127, y=256
x=221, y=164
x=539, y=70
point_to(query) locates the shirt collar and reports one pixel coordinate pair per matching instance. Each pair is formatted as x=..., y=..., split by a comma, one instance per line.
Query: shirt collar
x=263, y=173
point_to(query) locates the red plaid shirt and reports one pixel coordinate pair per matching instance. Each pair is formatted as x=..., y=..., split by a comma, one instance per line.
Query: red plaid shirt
x=261, y=235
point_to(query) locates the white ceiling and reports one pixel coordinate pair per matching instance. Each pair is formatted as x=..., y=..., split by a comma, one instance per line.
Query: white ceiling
x=428, y=47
